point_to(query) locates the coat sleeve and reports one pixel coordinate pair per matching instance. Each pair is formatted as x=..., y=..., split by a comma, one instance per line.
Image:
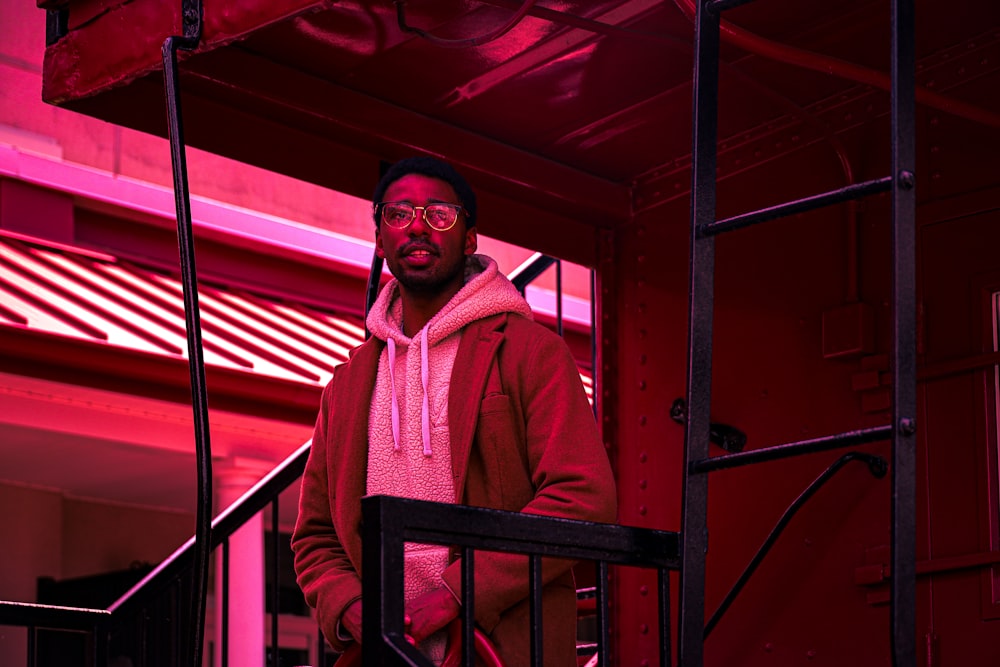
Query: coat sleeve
x=326, y=575
x=570, y=475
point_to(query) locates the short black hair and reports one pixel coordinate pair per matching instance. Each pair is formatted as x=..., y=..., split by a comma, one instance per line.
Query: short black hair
x=432, y=168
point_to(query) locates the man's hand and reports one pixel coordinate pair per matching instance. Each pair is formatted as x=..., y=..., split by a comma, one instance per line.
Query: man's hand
x=350, y=620
x=429, y=613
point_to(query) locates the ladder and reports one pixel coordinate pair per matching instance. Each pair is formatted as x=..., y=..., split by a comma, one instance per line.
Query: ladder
x=901, y=429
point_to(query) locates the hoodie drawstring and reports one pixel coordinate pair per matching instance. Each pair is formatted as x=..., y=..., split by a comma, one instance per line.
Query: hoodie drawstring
x=395, y=401
x=425, y=409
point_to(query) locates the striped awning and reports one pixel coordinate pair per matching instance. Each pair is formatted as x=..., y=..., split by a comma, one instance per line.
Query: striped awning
x=102, y=299
x=105, y=300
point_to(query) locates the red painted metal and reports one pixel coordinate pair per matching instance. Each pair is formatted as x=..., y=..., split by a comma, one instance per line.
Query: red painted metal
x=575, y=127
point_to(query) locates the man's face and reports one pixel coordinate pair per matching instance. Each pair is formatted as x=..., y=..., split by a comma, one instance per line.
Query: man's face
x=424, y=260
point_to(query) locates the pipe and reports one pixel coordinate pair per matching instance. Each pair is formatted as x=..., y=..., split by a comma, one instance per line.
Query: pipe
x=841, y=68
x=877, y=466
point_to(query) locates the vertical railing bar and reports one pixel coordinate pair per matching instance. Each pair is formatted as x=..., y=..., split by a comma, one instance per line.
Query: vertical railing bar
x=275, y=589
x=535, y=610
x=694, y=526
x=175, y=625
x=191, y=11
x=468, y=607
x=594, y=371
x=559, y=298
x=144, y=639
x=102, y=644
x=382, y=583
x=603, y=626
x=664, y=603
x=32, y=646
x=225, y=603
x=371, y=289
x=903, y=594
x=141, y=615
x=375, y=272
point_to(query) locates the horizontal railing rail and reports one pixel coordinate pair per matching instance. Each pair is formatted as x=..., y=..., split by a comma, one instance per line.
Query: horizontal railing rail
x=390, y=522
x=29, y=614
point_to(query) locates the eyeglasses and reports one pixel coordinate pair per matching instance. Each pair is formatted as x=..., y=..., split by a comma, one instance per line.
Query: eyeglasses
x=399, y=214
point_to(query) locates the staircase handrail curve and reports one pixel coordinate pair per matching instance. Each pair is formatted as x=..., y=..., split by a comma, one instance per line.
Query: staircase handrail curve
x=26, y=614
x=223, y=526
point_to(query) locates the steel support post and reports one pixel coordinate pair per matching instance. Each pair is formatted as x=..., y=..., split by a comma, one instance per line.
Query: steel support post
x=904, y=362
x=694, y=522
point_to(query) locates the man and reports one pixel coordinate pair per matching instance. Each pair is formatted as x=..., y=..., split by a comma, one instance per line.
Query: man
x=457, y=397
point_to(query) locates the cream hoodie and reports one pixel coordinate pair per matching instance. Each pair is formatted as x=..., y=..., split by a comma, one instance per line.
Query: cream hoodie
x=409, y=454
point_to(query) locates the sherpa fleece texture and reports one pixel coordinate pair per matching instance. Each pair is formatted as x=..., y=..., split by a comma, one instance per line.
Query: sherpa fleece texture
x=400, y=461
x=534, y=447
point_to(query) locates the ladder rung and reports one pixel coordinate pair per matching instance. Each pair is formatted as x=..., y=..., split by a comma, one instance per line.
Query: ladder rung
x=853, y=191
x=847, y=439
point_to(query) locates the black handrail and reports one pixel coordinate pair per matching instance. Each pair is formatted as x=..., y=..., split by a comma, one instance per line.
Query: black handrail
x=32, y=615
x=191, y=18
x=224, y=525
x=100, y=621
x=388, y=522
x=529, y=270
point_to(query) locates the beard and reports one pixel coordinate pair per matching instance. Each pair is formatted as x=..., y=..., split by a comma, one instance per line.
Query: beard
x=432, y=281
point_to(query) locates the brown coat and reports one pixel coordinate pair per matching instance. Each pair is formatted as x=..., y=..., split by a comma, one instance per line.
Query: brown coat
x=534, y=447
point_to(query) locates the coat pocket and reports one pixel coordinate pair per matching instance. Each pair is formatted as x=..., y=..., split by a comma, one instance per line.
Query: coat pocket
x=506, y=479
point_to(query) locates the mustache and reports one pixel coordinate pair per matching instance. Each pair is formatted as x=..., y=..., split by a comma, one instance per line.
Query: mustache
x=419, y=244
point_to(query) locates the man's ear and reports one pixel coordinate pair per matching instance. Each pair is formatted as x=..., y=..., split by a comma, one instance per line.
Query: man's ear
x=471, y=241
x=379, y=250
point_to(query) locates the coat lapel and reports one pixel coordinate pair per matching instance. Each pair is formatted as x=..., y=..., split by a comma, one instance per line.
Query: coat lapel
x=475, y=356
x=351, y=434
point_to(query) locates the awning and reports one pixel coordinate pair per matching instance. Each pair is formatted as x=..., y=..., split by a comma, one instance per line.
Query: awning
x=85, y=304
x=75, y=308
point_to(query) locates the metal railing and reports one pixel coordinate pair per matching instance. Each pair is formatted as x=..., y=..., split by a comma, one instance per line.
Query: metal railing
x=155, y=612
x=388, y=523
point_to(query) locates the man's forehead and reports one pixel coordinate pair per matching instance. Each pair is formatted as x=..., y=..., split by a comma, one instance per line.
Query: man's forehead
x=420, y=186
